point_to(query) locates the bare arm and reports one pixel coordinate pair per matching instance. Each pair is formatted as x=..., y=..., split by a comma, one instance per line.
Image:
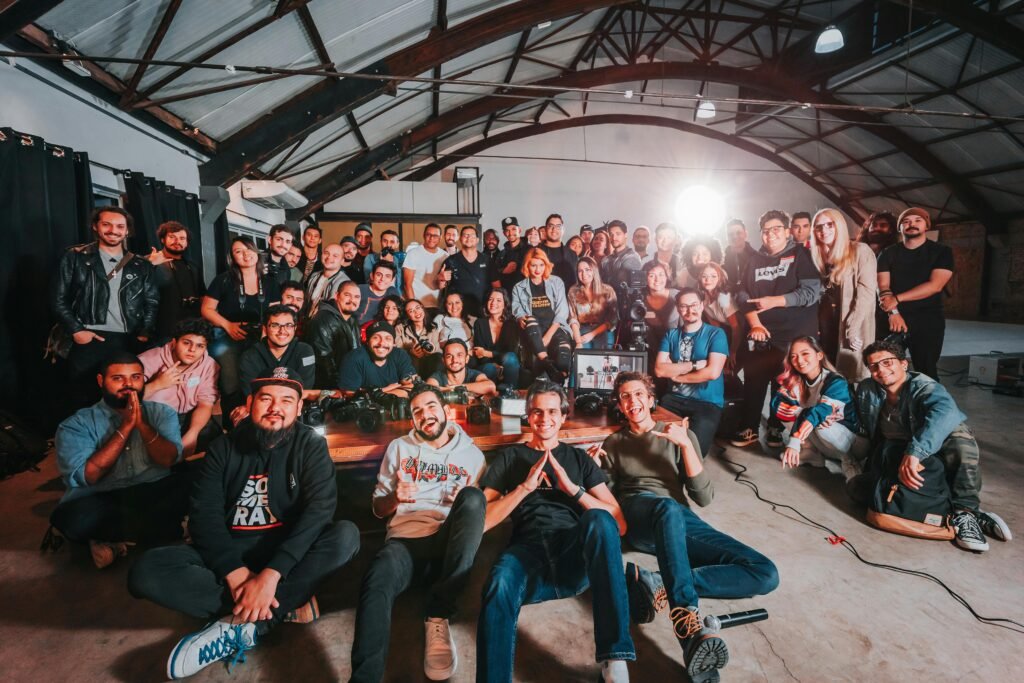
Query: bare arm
x=664, y=367
x=936, y=282
x=713, y=370
x=601, y=498
x=499, y=507
x=200, y=417
x=407, y=277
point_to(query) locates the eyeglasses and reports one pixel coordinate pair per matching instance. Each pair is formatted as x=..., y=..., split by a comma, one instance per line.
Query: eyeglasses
x=825, y=224
x=777, y=229
x=638, y=395
x=884, y=363
x=281, y=326
x=688, y=307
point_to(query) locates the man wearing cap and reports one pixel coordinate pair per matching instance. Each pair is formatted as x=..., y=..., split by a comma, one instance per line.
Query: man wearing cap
x=426, y=490
x=456, y=374
x=911, y=277
x=510, y=258
x=263, y=535
x=333, y=333
x=421, y=268
x=378, y=364
x=469, y=272
x=586, y=234
x=278, y=348
x=350, y=260
x=364, y=238
x=391, y=251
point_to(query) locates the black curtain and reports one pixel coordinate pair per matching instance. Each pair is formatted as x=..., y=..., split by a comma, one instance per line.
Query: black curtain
x=152, y=202
x=45, y=205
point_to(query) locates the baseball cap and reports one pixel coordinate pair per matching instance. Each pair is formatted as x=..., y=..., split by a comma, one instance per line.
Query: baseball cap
x=379, y=326
x=280, y=376
x=349, y=240
x=364, y=227
x=509, y=220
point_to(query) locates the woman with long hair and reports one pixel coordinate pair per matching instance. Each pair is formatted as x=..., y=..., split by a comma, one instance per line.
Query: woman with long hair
x=533, y=237
x=419, y=338
x=496, y=341
x=697, y=253
x=390, y=311
x=816, y=400
x=846, y=312
x=540, y=307
x=453, y=322
x=598, y=245
x=593, y=309
x=234, y=304
x=720, y=307
x=660, y=301
x=576, y=245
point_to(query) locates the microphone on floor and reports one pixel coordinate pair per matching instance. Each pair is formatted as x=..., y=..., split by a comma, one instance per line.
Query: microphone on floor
x=735, y=619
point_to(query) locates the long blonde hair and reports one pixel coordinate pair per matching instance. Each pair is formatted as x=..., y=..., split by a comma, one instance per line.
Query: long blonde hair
x=841, y=256
x=596, y=289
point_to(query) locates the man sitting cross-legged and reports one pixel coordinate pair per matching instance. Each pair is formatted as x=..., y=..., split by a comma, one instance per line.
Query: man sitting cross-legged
x=654, y=468
x=263, y=535
x=115, y=459
x=565, y=536
x=427, y=487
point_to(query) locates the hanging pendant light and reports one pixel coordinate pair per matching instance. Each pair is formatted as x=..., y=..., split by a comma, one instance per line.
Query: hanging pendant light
x=706, y=110
x=829, y=40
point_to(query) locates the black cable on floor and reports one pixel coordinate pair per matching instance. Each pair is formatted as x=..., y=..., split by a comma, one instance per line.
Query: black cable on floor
x=1008, y=624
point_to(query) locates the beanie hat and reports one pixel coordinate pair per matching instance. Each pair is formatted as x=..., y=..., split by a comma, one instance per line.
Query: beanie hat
x=916, y=211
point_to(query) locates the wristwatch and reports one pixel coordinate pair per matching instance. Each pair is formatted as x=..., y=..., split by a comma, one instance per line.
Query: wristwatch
x=579, y=493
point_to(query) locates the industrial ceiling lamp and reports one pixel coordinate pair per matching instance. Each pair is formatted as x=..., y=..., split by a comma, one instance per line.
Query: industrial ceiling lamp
x=829, y=40
x=706, y=110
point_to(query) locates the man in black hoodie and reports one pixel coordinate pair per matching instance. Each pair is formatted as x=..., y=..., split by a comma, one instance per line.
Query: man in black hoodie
x=781, y=289
x=263, y=535
x=333, y=332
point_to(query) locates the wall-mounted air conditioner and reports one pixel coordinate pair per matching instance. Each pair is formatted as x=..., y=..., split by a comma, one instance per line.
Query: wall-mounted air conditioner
x=272, y=194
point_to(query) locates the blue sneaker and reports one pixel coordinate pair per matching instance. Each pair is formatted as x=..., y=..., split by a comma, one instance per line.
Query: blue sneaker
x=646, y=593
x=218, y=640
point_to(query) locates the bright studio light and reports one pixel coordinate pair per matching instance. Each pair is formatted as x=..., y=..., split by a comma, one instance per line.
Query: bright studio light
x=829, y=40
x=700, y=209
x=706, y=110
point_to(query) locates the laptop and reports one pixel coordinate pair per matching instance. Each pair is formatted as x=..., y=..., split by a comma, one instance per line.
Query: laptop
x=595, y=369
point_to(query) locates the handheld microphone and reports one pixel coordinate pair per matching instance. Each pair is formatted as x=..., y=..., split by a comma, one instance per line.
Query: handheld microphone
x=735, y=619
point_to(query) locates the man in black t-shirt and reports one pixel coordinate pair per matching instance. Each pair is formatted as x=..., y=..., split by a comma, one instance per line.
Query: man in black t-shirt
x=456, y=374
x=565, y=537
x=562, y=257
x=911, y=277
x=469, y=272
x=178, y=281
x=510, y=259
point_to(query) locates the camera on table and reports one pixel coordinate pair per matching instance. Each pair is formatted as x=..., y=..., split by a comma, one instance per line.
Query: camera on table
x=631, y=294
x=368, y=415
x=456, y=395
x=590, y=404
x=478, y=412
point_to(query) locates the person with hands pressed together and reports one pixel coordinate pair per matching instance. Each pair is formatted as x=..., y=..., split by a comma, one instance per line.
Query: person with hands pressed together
x=263, y=535
x=781, y=289
x=911, y=279
x=909, y=417
x=455, y=373
x=565, y=537
x=426, y=489
x=656, y=469
x=115, y=458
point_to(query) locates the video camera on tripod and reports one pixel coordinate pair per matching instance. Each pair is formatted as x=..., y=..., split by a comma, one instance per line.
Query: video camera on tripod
x=634, y=311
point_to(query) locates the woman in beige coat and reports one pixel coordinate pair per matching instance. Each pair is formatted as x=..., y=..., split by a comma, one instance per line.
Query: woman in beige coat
x=846, y=314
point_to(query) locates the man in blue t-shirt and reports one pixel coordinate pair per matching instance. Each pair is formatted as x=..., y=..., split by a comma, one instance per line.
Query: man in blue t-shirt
x=378, y=364
x=693, y=356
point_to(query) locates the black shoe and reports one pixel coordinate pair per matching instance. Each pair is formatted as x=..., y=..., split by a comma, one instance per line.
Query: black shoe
x=993, y=526
x=646, y=593
x=703, y=650
x=968, y=531
x=773, y=437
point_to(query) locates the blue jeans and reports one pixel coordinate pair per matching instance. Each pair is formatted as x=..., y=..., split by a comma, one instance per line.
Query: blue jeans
x=510, y=362
x=695, y=559
x=561, y=564
x=605, y=340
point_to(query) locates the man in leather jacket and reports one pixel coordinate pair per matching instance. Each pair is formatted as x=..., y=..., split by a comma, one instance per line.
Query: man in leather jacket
x=105, y=297
x=333, y=332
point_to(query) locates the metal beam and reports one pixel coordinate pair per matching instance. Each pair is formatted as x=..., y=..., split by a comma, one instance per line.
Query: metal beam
x=154, y=45
x=531, y=130
x=22, y=13
x=247, y=148
x=355, y=172
x=990, y=27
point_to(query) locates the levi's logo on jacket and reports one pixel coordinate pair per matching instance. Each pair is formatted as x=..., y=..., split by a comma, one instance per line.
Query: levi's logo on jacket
x=774, y=272
x=252, y=511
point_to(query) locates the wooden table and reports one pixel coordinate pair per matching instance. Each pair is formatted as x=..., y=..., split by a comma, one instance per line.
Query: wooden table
x=349, y=447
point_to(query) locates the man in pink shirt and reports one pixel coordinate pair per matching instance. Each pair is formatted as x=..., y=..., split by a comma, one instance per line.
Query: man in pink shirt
x=182, y=375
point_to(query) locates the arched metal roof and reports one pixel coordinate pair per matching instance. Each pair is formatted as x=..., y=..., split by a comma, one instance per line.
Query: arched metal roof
x=918, y=108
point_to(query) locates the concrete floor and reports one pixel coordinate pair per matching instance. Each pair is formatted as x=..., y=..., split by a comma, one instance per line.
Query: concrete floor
x=832, y=618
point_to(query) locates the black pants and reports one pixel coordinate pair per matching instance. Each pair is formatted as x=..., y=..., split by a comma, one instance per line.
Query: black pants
x=150, y=513
x=84, y=364
x=924, y=341
x=559, y=350
x=177, y=578
x=451, y=550
x=207, y=434
x=760, y=368
x=704, y=418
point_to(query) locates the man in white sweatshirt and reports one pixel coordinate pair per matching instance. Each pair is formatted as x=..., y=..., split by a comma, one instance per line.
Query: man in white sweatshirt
x=427, y=487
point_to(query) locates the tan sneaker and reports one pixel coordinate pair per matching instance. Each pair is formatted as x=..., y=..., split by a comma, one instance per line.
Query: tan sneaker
x=440, y=658
x=104, y=554
x=304, y=614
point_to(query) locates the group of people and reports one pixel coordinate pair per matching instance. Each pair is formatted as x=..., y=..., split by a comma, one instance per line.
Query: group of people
x=793, y=322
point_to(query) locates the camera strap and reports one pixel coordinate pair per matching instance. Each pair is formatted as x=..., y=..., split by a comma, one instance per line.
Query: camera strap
x=125, y=258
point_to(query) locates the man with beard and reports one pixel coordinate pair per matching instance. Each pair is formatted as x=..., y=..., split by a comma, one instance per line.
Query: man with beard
x=378, y=364
x=565, y=537
x=911, y=277
x=421, y=268
x=426, y=490
x=323, y=284
x=178, y=282
x=621, y=259
x=278, y=268
x=278, y=348
x=391, y=251
x=641, y=240
x=510, y=260
x=879, y=231
x=491, y=244
x=115, y=459
x=451, y=238
x=309, y=262
x=292, y=257
x=263, y=535
x=333, y=333
x=456, y=374
x=656, y=472
x=469, y=272
x=737, y=253
x=562, y=257
x=182, y=375
x=105, y=298
x=351, y=261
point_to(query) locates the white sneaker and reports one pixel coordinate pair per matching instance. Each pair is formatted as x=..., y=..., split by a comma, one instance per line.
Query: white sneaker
x=215, y=642
x=439, y=657
x=104, y=554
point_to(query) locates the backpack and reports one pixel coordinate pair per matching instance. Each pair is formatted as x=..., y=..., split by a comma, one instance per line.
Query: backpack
x=20, y=448
x=923, y=513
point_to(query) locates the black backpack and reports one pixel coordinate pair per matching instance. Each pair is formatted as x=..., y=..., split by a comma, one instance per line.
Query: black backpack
x=20, y=448
x=922, y=513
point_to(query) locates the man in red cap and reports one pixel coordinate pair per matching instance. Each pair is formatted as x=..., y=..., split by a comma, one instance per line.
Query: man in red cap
x=911, y=277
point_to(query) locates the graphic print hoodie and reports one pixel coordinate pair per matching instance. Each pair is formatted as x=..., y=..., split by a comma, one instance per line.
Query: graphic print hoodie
x=791, y=274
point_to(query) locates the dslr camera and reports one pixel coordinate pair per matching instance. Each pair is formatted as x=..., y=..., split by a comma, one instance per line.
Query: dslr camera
x=368, y=415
